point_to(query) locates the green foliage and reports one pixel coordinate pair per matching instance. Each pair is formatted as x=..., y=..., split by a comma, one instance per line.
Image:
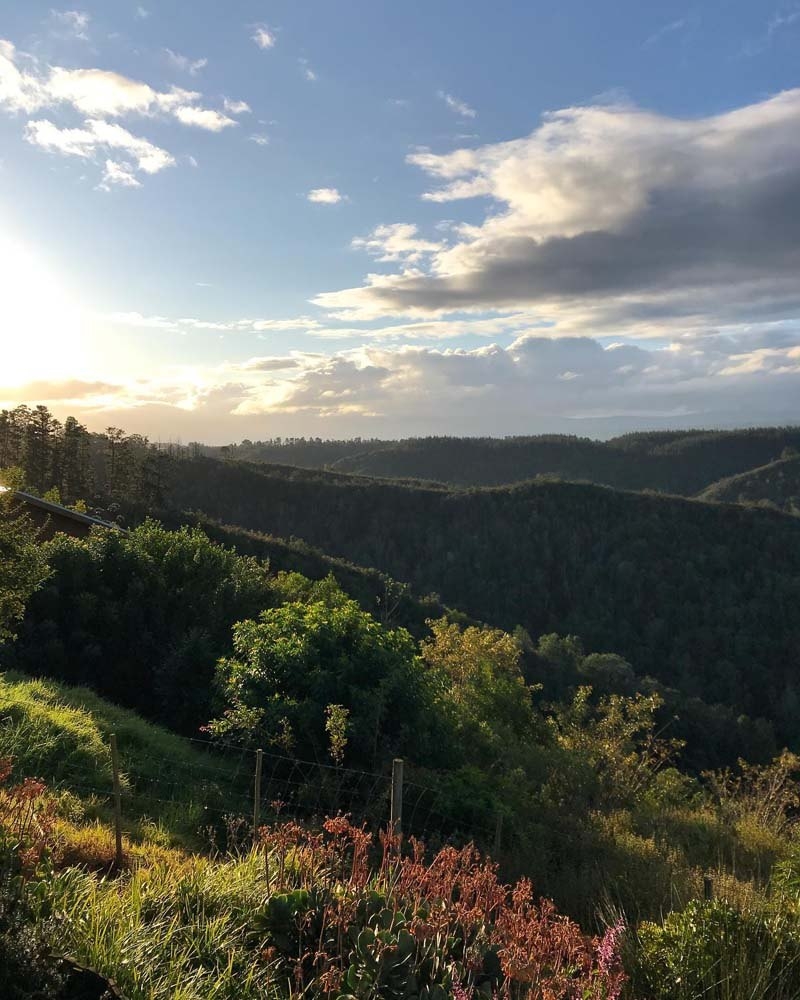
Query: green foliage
x=336, y=725
x=297, y=659
x=23, y=568
x=714, y=951
x=141, y=617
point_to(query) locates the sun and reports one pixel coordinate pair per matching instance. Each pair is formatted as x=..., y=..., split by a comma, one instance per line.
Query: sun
x=41, y=325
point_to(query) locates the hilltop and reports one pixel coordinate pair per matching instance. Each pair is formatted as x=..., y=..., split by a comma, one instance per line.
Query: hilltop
x=776, y=484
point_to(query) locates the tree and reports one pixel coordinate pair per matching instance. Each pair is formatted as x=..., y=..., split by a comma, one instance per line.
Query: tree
x=294, y=662
x=23, y=567
x=141, y=617
x=480, y=683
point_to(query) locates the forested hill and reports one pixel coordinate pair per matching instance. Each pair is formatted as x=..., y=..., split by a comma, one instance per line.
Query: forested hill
x=703, y=596
x=776, y=484
x=682, y=462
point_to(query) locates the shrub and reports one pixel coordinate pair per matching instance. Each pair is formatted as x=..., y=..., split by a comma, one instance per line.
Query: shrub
x=712, y=950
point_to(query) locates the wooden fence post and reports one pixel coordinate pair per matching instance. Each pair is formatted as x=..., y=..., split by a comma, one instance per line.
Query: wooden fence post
x=257, y=792
x=708, y=888
x=396, y=814
x=117, y=802
x=498, y=835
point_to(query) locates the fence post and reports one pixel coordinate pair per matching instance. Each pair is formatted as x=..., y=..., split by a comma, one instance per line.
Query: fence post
x=708, y=888
x=498, y=835
x=396, y=814
x=117, y=802
x=257, y=792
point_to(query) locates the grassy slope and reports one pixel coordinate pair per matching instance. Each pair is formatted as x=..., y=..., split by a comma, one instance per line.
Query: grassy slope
x=61, y=734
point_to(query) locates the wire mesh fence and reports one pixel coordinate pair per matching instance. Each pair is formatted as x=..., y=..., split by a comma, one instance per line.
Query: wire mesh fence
x=205, y=785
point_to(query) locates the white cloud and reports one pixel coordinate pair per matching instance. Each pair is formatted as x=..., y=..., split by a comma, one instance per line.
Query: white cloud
x=118, y=175
x=534, y=384
x=308, y=72
x=259, y=139
x=74, y=22
x=614, y=215
x=263, y=37
x=96, y=92
x=236, y=107
x=142, y=13
x=103, y=92
x=666, y=29
x=184, y=63
x=20, y=89
x=27, y=87
x=213, y=121
x=459, y=107
x=398, y=241
x=95, y=136
x=184, y=323
x=325, y=196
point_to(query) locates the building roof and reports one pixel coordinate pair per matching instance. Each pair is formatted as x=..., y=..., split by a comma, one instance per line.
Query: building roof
x=59, y=510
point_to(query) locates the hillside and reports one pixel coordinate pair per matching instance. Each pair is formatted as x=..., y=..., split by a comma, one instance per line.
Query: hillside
x=672, y=462
x=703, y=596
x=776, y=485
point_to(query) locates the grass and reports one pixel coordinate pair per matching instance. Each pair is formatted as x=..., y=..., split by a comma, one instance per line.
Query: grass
x=169, y=931
x=172, y=788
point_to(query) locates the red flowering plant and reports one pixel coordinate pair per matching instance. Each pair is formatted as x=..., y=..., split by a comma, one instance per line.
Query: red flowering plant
x=27, y=817
x=349, y=916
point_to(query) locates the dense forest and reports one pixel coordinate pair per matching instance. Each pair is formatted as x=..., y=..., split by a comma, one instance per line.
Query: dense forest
x=682, y=462
x=704, y=597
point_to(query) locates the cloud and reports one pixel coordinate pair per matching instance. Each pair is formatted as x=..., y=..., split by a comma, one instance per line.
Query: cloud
x=236, y=107
x=398, y=241
x=667, y=29
x=24, y=86
x=141, y=13
x=460, y=108
x=213, y=121
x=783, y=19
x=97, y=135
x=614, y=213
x=184, y=63
x=118, y=175
x=535, y=384
x=74, y=22
x=182, y=324
x=325, y=196
x=70, y=389
x=263, y=37
x=308, y=72
x=259, y=139
x=27, y=87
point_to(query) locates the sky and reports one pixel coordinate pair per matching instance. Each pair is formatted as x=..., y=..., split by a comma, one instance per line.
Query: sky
x=297, y=217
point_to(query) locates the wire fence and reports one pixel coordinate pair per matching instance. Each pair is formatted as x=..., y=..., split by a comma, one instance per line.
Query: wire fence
x=205, y=787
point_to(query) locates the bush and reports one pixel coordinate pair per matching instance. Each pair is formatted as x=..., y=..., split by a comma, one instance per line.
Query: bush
x=713, y=951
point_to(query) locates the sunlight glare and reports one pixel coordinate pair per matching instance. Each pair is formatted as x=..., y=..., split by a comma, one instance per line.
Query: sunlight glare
x=41, y=327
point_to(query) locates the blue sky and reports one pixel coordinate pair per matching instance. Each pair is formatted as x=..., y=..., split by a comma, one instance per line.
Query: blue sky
x=574, y=215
